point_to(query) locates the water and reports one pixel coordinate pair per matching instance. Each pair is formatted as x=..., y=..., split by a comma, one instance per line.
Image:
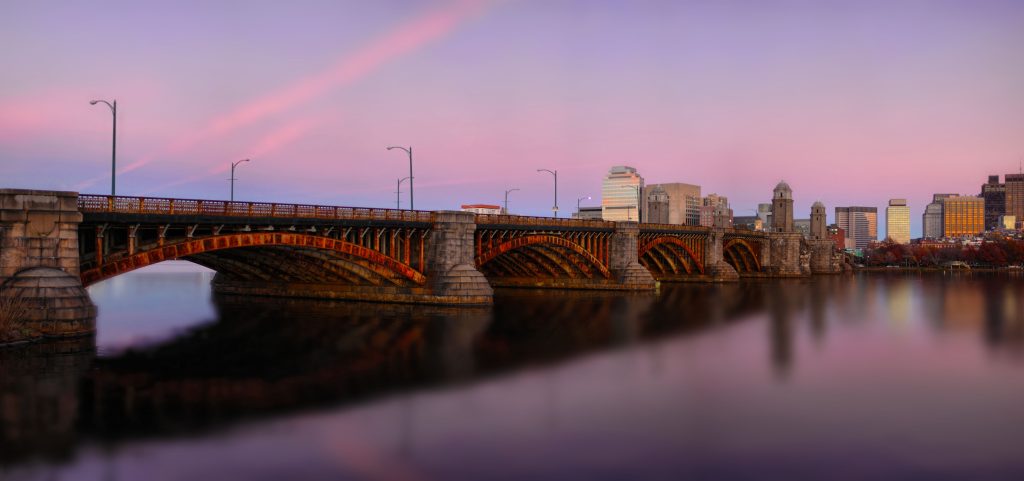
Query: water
x=866, y=377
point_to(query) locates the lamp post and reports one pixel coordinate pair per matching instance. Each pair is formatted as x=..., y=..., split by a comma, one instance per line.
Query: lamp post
x=506, y=198
x=233, y=165
x=113, y=145
x=554, y=173
x=412, y=205
x=398, y=192
x=578, y=205
x=637, y=189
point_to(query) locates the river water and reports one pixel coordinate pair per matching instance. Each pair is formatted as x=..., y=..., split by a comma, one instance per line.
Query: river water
x=857, y=377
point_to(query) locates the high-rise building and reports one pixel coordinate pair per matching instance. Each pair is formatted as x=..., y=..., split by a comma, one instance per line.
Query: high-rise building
x=656, y=210
x=931, y=220
x=994, y=194
x=1014, y=196
x=860, y=225
x=782, y=208
x=897, y=221
x=621, y=193
x=818, y=229
x=963, y=215
x=683, y=202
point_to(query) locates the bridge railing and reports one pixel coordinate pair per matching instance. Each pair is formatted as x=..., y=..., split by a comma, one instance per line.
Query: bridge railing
x=167, y=206
x=485, y=219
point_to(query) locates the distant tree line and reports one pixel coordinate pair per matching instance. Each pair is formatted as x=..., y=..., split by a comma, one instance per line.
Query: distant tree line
x=991, y=253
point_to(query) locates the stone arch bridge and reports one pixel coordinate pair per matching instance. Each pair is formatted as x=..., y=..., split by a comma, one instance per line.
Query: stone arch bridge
x=298, y=250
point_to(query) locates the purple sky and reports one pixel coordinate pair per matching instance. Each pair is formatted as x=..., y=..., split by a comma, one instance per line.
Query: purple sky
x=852, y=102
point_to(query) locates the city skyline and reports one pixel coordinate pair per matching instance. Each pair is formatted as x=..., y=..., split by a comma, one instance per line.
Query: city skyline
x=844, y=102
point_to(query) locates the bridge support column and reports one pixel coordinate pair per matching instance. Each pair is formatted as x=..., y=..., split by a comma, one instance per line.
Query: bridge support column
x=822, y=258
x=623, y=258
x=715, y=266
x=451, y=266
x=785, y=254
x=39, y=262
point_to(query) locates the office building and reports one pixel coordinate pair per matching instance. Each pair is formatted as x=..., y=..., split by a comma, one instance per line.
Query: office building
x=712, y=206
x=931, y=220
x=803, y=226
x=860, y=224
x=963, y=216
x=684, y=202
x=621, y=192
x=994, y=194
x=591, y=213
x=897, y=221
x=838, y=236
x=1014, y=192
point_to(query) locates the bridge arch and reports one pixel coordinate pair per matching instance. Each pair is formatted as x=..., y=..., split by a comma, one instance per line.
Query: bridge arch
x=294, y=256
x=741, y=255
x=667, y=254
x=551, y=255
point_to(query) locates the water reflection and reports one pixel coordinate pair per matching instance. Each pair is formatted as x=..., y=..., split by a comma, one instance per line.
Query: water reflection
x=715, y=363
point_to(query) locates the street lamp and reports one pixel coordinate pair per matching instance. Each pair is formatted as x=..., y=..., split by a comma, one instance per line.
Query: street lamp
x=578, y=204
x=554, y=173
x=398, y=192
x=113, y=145
x=506, y=198
x=408, y=150
x=637, y=189
x=233, y=165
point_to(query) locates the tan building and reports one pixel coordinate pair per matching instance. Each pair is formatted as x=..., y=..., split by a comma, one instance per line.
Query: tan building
x=715, y=211
x=684, y=202
x=963, y=216
x=1014, y=195
x=897, y=221
x=621, y=192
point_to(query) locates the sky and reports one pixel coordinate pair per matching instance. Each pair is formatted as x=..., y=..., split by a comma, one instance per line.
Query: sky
x=850, y=102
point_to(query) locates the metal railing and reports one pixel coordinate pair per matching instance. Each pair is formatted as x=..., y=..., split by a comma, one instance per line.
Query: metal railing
x=485, y=219
x=165, y=206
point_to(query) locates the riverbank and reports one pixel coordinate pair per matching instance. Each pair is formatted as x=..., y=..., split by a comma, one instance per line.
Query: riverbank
x=938, y=269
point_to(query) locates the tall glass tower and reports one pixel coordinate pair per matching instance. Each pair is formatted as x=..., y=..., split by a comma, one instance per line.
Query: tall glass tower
x=621, y=192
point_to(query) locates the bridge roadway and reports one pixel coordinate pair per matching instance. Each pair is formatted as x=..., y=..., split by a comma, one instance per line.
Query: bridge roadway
x=52, y=243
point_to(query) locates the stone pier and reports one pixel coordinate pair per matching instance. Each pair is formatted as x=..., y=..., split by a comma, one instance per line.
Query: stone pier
x=717, y=269
x=623, y=259
x=785, y=257
x=451, y=267
x=823, y=259
x=39, y=261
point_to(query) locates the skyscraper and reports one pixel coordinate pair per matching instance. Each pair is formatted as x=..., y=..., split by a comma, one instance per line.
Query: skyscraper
x=1014, y=196
x=931, y=220
x=994, y=194
x=897, y=221
x=963, y=216
x=621, y=193
x=683, y=202
x=860, y=225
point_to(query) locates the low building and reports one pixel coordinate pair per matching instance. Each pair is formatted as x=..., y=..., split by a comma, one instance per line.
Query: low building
x=481, y=208
x=592, y=213
x=838, y=236
x=748, y=222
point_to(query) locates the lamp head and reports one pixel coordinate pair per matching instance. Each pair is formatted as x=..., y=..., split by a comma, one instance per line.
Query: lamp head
x=94, y=102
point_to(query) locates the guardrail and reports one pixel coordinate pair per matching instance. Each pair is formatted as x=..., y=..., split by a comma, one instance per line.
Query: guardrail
x=166, y=206
x=484, y=219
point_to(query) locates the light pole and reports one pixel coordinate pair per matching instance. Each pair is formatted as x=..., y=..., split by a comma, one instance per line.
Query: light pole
x=637, y=189
x=113, y=145
x=578, y=204
x=506, y=198
x=398, y=193
x=412, y=205
x=554, y=173
x=233, y=165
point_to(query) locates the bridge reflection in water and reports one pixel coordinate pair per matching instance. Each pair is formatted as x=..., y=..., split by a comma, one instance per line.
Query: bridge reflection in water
x=266, y=358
